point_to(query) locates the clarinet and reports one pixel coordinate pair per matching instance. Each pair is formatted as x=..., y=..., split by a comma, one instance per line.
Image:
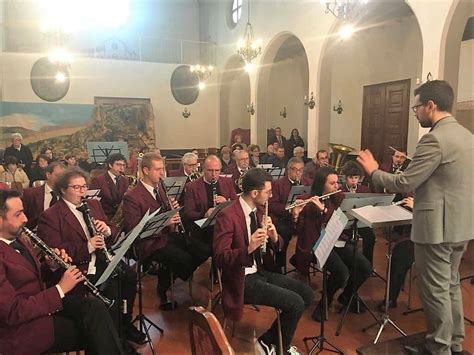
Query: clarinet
x=57, y=259
x=181, y=229
x=91, y=226
x=214, y=192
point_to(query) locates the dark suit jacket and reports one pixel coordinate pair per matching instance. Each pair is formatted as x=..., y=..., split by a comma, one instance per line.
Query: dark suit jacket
x=59, y=228
x=111, y=194
x=135, y=204
x=23, y=155
x=33, y=202
x=280, y=192
x=277, y=162
x=26, y=324
x=310, y=169
x=230, y=254
x=308, y=229
x=275, y=139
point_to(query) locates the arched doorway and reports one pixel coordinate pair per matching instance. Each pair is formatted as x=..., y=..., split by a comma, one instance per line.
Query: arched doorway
x=234, y=98
x=282, y=83
x=387, y=47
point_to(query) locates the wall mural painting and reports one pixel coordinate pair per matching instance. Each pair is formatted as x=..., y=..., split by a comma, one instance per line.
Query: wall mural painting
x=70, y=126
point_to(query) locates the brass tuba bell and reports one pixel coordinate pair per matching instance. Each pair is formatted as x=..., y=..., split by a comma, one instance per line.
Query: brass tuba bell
x=340, y=152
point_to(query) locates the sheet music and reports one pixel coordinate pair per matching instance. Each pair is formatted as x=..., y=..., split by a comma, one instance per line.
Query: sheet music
x=329, y=236
x=211, y=220
x=381, y=216
x=265, y=166
x=92, y=194
x=356, y=200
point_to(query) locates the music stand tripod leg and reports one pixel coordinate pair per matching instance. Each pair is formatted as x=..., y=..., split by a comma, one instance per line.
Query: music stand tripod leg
x=320, y=340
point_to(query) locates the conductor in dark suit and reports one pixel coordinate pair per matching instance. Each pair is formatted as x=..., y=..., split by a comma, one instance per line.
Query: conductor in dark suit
x=204, y=194
x=442, y=215
x=112, y=184
x=35, y=319
x=38, y=199
x=238, y=239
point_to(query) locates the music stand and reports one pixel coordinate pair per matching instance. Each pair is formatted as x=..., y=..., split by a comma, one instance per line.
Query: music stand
x=276, y=173
x=211, y=220
x=384, y=216
x=354, y=200
x=322, y=248
x=175, y=186
x=100, y=151
x=92, y=195
x=295, y=192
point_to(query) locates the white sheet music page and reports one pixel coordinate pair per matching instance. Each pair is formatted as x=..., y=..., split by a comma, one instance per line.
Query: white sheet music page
x=329, y=236
x=379, y=215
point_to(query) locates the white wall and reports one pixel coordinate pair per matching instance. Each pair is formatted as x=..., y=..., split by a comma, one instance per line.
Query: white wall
x=114, y=78
x=465, y=81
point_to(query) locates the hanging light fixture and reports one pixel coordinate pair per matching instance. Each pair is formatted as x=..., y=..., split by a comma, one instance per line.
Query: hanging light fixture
x=343, y=9
x=203, y=72
x=248, y=47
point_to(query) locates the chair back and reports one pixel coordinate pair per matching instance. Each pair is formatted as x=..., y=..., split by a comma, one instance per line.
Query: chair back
x=38, y=183
x=206, y=334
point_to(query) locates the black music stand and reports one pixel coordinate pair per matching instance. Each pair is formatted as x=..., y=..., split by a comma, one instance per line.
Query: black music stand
x=276, y=173
x=295, y=192
x=322, y=249
x=175, y=186
x=384, y=216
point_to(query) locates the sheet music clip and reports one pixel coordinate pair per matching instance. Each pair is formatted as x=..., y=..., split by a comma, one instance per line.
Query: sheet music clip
x=175, y=186
x=211, y=220
x=157, y=223
x=297, y=191
x=92, y=194
x=123, y=245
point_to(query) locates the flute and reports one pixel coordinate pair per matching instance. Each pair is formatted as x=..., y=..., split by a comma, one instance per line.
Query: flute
x=263, y=246
x=305, y=202
x=58, y=260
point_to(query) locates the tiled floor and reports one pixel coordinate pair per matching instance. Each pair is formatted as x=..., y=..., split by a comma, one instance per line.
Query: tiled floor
x=175, y=339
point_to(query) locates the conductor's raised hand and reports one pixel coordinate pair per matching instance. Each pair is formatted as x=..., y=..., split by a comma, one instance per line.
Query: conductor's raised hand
x=367, y=160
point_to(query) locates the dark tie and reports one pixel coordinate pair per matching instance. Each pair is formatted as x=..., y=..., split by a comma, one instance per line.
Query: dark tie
x=295, y=183
x=117, y=179
x=23, y=251
x=54, y=198
x=258, y=252
x=158, y=198
x=279, y=140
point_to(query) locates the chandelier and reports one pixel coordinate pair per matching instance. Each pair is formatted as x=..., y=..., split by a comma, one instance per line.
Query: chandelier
x=203, y=72
x=343, y=9
x=248, y=47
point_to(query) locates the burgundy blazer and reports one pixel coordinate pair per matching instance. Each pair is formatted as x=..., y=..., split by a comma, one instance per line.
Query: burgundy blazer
x=26, y=324
x=59, y=228
x=4, y=186
x=111, y=194
x=234, y=170
x=178, y=172
x=280, y=192
x=308, y=229
x=230, y=255
x=135, y=204
x=33, y=203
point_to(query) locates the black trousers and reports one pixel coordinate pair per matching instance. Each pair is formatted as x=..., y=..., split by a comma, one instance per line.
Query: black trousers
x=402, y=258
x=288, y=295
x=368, y=243
x=340, y=264
x=85, y=323
x=182, y=256
x=286, y=230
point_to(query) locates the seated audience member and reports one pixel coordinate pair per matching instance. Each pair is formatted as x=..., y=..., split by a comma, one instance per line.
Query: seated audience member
x=80, y=227
x=70, y=160
x=204, y=194
x=238, y=238
x=169, y=247
x=310, y=221
x=13, y=173
x=21, y=152
x=38, y=199
x=38, y=172
x=269, y=153
x=35, y=319
x=226, y=157
x=48, y=151
x=112, y=184
x=279, y=139
x=254, y=153
x=294, y=141
x=320, y=159
x=279, y=160
x=353, y=174
x=298, y=152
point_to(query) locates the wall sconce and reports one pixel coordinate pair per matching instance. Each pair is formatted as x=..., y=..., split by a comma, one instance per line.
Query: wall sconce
x=186, y=113
x=339, y=108
x=310, y=103
x=429, y=77
x=283, y=113
x=251, y=109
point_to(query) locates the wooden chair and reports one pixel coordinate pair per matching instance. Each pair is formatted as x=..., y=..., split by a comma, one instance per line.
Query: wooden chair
x=206, y=334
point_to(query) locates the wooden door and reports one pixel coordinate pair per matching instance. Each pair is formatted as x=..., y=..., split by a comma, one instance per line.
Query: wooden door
x=385, y=118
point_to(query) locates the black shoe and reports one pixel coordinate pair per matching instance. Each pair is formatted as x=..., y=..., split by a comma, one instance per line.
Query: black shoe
x=391, y=304
x=133, y=334
x=317, y=314
x=416, y=350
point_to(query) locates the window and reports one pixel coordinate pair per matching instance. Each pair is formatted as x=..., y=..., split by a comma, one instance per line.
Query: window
x=236, y=11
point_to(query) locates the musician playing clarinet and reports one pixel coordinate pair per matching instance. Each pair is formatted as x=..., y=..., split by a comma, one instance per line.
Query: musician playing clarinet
x=242, y=244
x=310, y=220
x=35, y=319
x=80, y=227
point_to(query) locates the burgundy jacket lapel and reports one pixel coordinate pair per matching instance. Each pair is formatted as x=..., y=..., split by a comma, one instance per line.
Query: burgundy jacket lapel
x=70, y=219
